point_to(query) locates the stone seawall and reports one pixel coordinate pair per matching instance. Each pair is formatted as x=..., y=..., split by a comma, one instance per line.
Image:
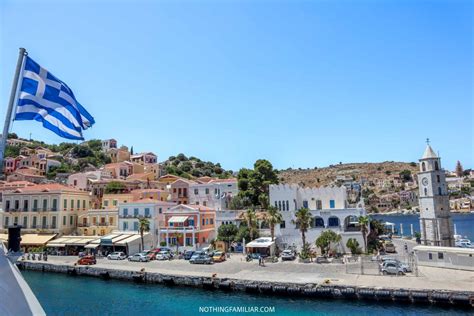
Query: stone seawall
x=310, y=290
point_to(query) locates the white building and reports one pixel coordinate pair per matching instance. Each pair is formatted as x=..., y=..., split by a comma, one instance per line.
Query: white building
x=329, y=208
x=109, y=144
x=81, y=180
x=215, y=194
x=435, y=218
x=131, y=212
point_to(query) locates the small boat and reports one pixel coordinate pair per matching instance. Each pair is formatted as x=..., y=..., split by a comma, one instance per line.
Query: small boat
x=462, y=242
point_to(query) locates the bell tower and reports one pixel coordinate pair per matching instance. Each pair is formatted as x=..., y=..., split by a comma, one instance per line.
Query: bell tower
x=435, y=218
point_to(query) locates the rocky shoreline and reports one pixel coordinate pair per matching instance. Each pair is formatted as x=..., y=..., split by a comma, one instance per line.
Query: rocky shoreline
x=328, y=291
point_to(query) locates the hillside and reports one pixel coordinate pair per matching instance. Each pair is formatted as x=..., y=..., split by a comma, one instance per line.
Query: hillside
x=371, y=172
x=183, y=166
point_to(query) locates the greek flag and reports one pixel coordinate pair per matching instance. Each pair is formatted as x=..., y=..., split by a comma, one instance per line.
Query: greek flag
x=46, y=99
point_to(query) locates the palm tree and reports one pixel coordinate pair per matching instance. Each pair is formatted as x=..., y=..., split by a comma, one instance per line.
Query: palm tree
x=178, y=236
x=303, y=222
x=250, y=218
x=273, y=217
x=143, y=226
x=364, y=224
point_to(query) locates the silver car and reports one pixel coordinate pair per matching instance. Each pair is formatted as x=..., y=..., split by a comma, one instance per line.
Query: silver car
x=118, y=255
x=139, y=257
x=288, y=254
x=391, y=267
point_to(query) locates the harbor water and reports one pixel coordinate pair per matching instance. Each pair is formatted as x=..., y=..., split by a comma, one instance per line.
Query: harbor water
x=464, y=223
x=61, y=294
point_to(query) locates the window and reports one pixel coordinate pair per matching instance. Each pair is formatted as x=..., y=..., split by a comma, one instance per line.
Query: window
x=439, y=191
x=55, y=205
x=207, y=190
x=71, y=220
x=25, y=221
x=179, y=191
x=84, y=204
x=72, y=204
x=114, y=202
x=25, y=205
x=426, y=191
x=191, y=222
x=440, y=255
x=282, y=224
x=212, y=221
x=279, y=205
x=7, y=219
x=34, y=222
x=319, y=204
x=53, y=223
x=135, y=212
x=204, y=203
x=284, y=206
x=287, y=205
x=174, y=190
x=106, y=203
x=203, y=222
x=147, y=211
x=438, y=179
x=423, y=166
x=111, y=221
x=125, y=226
x=125, y=212
x=78, y=204
x=207, y=221
x=17, y=205
x=7, y=206
x=436, y=165
x=196, y=191
x=160, y=210
x=45, y=204
x=64, y=219
x=135, y=226
x=65, y=204
x=332, y=204
x=430, y=256
x=305, y=203
x=276, y=204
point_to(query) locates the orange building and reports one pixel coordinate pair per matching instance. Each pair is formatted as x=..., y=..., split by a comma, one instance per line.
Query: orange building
x=188, y=226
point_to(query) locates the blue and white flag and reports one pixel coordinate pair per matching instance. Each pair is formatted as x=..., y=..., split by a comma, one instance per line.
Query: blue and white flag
x=46, y=99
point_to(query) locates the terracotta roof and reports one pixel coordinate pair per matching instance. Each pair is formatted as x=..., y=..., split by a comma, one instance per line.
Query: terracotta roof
x=138, y=176
x=223, y=180
x=49, y=187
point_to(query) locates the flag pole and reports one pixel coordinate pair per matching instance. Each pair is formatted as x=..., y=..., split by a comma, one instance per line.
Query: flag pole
x=8, y=116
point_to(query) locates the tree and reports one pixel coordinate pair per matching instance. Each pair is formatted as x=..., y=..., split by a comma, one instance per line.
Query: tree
x=353, y=245
x=459, y=169
x=250, y=218
x=227, y=233
x=115, y=187
x=303, y=221
x=325, y=239
x=405, y=175
x=273, y=217
x=254, y=184
x=143, y=226
x=364, y=223
x=131, y=150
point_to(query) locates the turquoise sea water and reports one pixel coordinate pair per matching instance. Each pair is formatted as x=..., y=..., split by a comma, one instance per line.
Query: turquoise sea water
x=464, y=223
x=60, y=294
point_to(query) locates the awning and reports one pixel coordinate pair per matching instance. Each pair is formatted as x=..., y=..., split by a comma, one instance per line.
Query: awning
x=55, y=245
x=129, y=239
x=36, y=239
x=92, y=246
x=178, y=219
x=260, y=243
x=4, y=237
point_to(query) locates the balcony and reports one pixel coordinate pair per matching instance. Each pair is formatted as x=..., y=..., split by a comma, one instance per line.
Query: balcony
x=83, y=224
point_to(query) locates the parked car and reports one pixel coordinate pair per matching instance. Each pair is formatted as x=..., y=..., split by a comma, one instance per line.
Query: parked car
x=188, y=254
x=390, y=247
x=391, y=267
x=118, y=255
x=201, y=258
x=163, y=255
x=218, y=256
x=87, y=260
x=139, y=257
x=151, y=253
x=406, y=268
x=288, y=254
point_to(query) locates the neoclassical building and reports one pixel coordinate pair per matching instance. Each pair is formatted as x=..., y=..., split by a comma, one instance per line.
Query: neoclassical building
x=329, y=207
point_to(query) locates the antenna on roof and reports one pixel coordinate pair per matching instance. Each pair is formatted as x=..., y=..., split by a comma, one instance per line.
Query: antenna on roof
x=427, y=141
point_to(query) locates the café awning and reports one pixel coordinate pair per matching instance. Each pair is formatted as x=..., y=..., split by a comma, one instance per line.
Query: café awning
x=178, y=219
x=36, y=239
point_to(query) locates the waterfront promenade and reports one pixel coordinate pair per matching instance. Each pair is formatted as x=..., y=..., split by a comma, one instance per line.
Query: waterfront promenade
x=292, y=272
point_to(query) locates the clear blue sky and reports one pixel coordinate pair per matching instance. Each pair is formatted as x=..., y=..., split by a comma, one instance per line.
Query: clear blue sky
x=301, y=83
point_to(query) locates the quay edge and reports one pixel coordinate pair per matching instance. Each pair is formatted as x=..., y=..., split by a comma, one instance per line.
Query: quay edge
x=311, y=290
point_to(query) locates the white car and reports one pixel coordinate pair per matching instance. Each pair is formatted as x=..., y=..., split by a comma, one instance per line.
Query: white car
x=139, y=257
x=288, y=254
x=163, y=255
x=117, y=256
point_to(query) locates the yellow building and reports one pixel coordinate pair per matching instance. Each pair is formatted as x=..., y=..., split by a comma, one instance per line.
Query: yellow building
x=112, y=201
x=97, y=222
x=44, y=208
